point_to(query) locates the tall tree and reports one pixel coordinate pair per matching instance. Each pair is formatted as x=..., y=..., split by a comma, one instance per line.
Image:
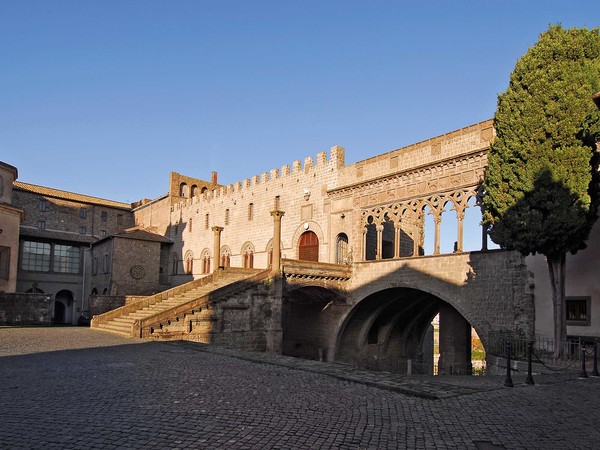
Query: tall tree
x=541, y=185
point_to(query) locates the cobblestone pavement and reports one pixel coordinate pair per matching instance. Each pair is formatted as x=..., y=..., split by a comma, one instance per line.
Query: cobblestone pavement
x=81, y=388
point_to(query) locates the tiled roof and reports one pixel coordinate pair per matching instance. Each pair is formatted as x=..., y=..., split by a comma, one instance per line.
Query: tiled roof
x=140, y=235
x=143, y=235
x=41, y=190
x=26, y=231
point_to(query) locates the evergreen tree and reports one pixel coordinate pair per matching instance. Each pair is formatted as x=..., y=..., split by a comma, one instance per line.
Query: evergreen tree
x=541, y=185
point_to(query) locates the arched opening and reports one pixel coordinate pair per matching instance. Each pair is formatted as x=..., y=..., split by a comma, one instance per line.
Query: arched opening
x=94, y=291
x=205, y=257
x=174, y=264
x=392, y=330
x=204, y=190
x=183, y=190
x=472, y=229
x=189, y=262
x=194, y=190
x=428, y=234
x=341, y=249
x=63, y=307
x=225, y=257
x=448, y=229
x=371, y=240
x=388, y=239
x=306, y=317
x=308, y=247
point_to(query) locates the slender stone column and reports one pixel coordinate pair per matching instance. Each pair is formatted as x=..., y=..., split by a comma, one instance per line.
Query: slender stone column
x=436, y=244
x=217, y=247
x=379, y=241
x=364, y=245
x=398, y=233
x=459, y=241
x=276, y=264
x=484, y=236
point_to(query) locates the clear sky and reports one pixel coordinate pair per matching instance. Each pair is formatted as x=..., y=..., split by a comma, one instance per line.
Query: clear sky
x=107, y=97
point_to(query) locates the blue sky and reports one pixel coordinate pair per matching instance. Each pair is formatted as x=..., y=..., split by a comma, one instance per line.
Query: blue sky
x=107, y=97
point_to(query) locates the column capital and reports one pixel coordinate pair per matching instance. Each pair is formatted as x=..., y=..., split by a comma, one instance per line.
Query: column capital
x=277, y=213
x=217, y=229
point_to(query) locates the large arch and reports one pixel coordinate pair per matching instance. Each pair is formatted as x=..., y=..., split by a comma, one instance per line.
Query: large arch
x=390, y=327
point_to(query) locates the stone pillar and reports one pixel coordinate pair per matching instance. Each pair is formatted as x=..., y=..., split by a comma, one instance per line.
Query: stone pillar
x=436, y=243
x=379, y=241
x=276, y=264
x=455, y=342
x=217, y=247
x=459, y=241
x=398, y=233
x=364, y=245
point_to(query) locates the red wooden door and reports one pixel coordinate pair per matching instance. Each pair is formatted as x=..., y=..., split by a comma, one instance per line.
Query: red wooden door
x=308, y=248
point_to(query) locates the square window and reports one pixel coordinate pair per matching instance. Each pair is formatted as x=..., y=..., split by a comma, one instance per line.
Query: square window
x=35, y=256
x=578, y=311
x=103, y=216
x=82, y=230
x=41, y=225
x=83, y=213
x=43, y=205
x=102, y=232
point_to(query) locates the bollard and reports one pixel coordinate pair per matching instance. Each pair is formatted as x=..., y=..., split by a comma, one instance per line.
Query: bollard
x=508, y=380
x=595, y=371
x=583, y=373
x=529, y=379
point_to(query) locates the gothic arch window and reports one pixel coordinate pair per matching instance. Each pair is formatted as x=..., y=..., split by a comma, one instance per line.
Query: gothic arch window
x=225, y=257
x=371, y=240
x=341, y=249
x=183, y=190
x=174, y=264
x=205, y=261
x=248, y=255
x=388, y=238
x=308, y=247
x=189, y=262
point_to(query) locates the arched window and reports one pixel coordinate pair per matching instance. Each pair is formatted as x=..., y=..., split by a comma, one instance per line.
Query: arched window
x=248, y=256
x=308, y=247
x=341, y=249
x=183, y=190
x=189, y=262
x=371, y=240
x=225, y=257
x=194, y=190
x=205, y=261
x=175, y=264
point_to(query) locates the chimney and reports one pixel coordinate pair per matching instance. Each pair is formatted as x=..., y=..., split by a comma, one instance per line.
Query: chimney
x=214, y=178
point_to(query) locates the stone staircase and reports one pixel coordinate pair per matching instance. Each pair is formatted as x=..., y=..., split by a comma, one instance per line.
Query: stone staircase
x=141, y=318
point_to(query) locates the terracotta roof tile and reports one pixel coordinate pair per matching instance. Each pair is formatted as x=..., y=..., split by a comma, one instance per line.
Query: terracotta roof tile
x=41, y=190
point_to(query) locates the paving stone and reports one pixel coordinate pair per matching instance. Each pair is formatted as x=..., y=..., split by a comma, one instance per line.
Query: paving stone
x=79, y=388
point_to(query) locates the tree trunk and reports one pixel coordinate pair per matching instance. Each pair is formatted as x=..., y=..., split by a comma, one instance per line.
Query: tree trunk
x=556, y=267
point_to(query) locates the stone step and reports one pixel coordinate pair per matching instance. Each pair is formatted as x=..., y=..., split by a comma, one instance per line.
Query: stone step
x=118, y=329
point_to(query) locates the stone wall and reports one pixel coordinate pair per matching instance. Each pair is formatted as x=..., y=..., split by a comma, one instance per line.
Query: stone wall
x=25, y=309
x=99, y=304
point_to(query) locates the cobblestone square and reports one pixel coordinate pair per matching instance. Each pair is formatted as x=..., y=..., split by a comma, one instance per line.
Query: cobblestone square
x=80, y=388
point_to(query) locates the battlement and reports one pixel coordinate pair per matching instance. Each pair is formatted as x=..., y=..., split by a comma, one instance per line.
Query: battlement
x=335, y=161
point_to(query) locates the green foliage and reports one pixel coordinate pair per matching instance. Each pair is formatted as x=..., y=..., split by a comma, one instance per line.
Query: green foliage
x=540, y=186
